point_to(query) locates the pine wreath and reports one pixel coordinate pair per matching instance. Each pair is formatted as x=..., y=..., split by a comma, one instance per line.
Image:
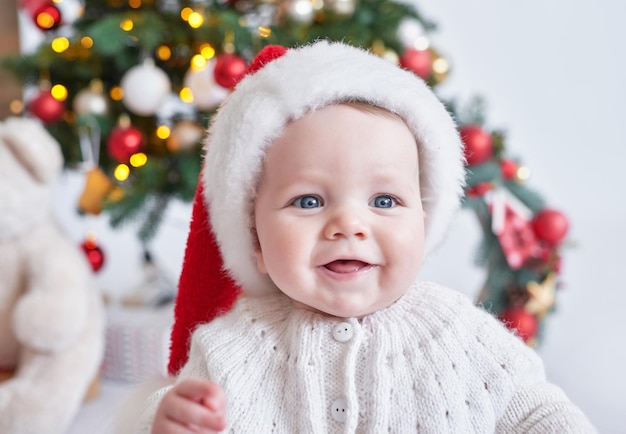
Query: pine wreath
x=90, y=74
x=522, y=238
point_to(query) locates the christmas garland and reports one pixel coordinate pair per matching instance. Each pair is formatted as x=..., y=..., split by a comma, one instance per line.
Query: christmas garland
x=143, y=78
x=522, y=237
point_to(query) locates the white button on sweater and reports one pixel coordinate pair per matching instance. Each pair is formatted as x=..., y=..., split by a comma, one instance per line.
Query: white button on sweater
x=430, y=363
x=343, y=332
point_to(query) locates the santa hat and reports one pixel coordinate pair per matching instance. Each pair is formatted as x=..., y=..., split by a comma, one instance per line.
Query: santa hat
x=284, y=85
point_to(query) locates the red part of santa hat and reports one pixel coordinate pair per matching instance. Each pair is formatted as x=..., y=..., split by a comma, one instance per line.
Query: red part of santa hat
x=204, y=289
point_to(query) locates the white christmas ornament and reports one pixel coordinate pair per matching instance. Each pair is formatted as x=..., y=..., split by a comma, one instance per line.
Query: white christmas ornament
x=91, y=100
x=173, y=106
x=343, y=8
x=145, y=87
x=410, y=31
x=207, y=94
x=263, y=15
x=70, y=10
x=299, y=11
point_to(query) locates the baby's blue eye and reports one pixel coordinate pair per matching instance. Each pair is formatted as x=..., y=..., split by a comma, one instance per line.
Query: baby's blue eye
x=383, y=201
x=307, y=201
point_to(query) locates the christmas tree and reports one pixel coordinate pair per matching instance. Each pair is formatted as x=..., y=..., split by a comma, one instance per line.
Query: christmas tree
x=128, y=88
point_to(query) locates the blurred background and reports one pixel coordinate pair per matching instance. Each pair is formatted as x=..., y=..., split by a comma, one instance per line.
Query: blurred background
x=551, y=77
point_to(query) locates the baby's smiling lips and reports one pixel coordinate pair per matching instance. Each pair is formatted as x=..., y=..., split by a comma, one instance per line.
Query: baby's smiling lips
x=346, y=266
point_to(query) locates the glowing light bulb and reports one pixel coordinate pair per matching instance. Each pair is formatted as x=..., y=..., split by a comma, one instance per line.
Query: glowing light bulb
x=523, y=173
x=198, y=62
x=139, y=159
x=207, y=51
x=441, y=66
x=60, y=44
x=163, y=132
x=86, y=42
x=121, y=172
x=127, y=25
x=164, y=52
x=116, y=93
x=59, y=92
x=45, y=20
x=185, y=12
x=186, y=95
x=195, y=20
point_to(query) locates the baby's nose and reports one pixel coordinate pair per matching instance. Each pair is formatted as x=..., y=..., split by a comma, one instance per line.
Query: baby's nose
x=345, y=223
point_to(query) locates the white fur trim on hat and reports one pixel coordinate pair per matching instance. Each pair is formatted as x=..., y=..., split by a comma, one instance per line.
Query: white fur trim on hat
x=287, y=88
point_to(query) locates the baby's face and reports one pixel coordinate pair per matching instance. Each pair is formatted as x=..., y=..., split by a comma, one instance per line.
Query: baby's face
x=338, y=211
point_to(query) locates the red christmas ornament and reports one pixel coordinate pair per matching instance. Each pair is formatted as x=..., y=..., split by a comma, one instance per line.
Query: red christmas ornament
x=479, y=189
x=508, y=168
x=419, y=62
x=46, y=107
x=95, y=255
x=124, y=141
x=550, y=226
x=229, y=70
x=44, y=13
x=522, y=322
x=478, y=144
x=48, y=17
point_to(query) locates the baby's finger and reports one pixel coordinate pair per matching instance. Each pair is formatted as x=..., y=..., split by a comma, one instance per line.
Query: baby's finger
x=170, y=427
x=183, y=411
x=197, y=389
x=215, y=399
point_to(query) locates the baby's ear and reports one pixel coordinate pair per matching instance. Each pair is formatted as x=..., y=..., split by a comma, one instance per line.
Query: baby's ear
x=260, y=263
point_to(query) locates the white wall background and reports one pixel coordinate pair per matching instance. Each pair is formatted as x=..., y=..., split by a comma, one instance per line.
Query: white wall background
x=552, y=74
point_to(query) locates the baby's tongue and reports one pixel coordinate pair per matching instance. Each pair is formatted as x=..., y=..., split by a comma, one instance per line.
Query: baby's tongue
x=345, y=266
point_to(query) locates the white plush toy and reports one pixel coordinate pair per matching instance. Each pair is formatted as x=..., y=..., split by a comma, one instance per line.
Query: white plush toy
x=51, y=315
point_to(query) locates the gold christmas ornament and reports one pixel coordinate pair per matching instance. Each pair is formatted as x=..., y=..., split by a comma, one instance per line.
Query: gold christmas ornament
x=97, y=187
x=542, y=296
x=391, y=56
x=379, y=48
x=441, y=66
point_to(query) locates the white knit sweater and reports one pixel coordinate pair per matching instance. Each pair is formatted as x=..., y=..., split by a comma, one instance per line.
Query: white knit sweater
x=430, y=363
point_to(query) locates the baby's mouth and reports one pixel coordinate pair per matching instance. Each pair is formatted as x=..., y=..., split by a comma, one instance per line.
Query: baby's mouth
x=347, y=266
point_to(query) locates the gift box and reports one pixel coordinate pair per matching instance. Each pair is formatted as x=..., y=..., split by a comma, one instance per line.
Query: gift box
x=137, y=342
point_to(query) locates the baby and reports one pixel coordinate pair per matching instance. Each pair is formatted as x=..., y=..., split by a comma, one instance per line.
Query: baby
x=329, y=174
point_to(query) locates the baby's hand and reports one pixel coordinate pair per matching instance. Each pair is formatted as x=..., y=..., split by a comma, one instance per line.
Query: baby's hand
x=192, y=406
